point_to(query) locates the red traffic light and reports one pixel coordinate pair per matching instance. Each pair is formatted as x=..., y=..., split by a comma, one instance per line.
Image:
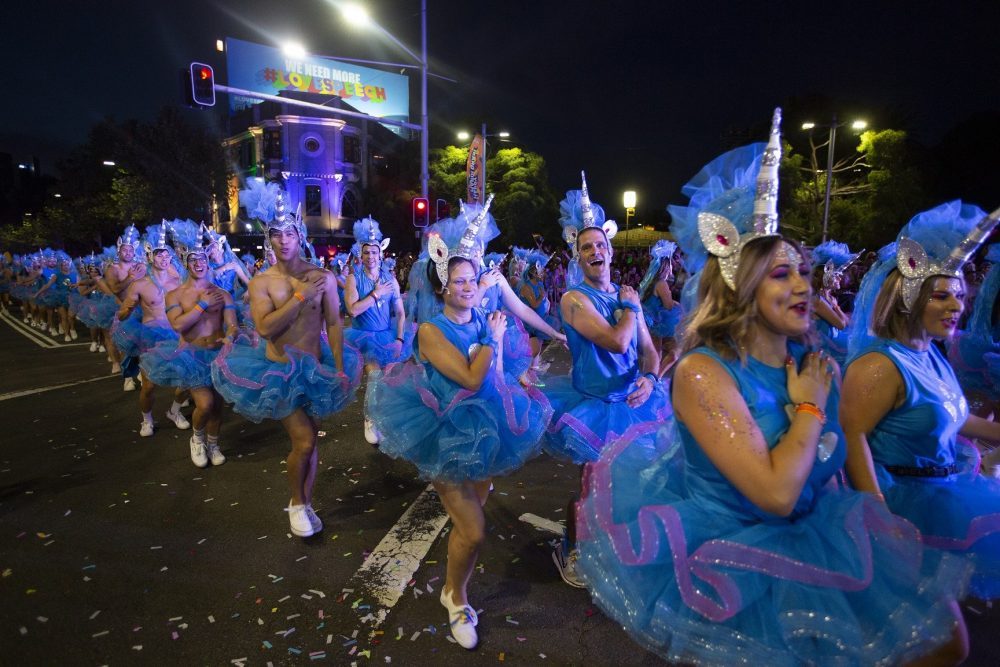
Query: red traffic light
x=421, y=212
x=204, y=73
x=202, y=78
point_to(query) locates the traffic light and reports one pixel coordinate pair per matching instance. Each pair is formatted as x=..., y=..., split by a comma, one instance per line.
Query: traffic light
x=421, y=211
x=202, y=85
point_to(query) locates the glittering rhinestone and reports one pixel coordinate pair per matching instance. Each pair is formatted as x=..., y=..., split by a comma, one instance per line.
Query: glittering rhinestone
x=722, y=239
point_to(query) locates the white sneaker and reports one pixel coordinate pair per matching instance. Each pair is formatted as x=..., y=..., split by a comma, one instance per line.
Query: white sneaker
x=101, y=348
x=198, y=452
x=67, y=339
x=298, y=519
x=61, y=330
x=371, y=433
x=186, y=403
x=314, y=520
x=43, y=326
x=93, y=346
x=567, y=565
x=463, y=621
x=73, y=334
x=146, y=429
x=115, y=368
x=129, y=384
x=179, y=420
x=215, y=454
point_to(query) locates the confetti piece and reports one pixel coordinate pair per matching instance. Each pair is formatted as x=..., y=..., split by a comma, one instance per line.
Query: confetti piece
x=99, y=634
x=501, y=656
x=137, y=647
x=42, y=619
x=211, y=619
x=266, y=643
x=174, y=635
x=155, y=548
x=414, y=636
x=319, y=593
x=202, y=540
x=23, y=630
x=175, y=618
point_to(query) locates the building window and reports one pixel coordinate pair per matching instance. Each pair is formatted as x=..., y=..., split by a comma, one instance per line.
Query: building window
x=314, y=201
x=272, y=144
x=349, y=205
x=352, y=149
x=312, y=145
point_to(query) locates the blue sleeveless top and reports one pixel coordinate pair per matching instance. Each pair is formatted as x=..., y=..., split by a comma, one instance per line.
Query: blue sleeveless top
x=538, y=290
x=597, y=372
x=923, y=430
x=490, y=300
x=467, y=338
x=226, y=280
x=378, y=316
x=765, y=390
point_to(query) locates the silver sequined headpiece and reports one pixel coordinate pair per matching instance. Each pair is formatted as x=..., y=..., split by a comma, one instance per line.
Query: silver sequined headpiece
x=467, y=245
x=721, y=237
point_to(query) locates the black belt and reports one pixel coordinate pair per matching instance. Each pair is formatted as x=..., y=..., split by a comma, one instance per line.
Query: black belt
x=923, y=471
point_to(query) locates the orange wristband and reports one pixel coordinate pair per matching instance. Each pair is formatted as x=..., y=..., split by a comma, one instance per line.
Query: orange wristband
x=811, y=409
x=298, y=296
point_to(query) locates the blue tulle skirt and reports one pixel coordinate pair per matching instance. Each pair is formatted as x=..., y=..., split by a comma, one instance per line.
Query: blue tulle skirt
x=376, y=346
x=262, y=389
x=516, y=348
x=174, y=363
x=53, y=297
x=75, y=301
x=133, y=338
x=967, y=354
x=98, y=310
x=583, y=425
x=960, y=514
x=661, y=322
x=842, y=584
x=467, y=436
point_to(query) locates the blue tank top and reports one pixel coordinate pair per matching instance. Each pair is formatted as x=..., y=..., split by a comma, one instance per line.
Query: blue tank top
x=765, y=390
x=378, y=316
x=467, y=338
x=491, y=299
x=538, y=291
x=226, y=280
x=597, y=372
x=923, y=430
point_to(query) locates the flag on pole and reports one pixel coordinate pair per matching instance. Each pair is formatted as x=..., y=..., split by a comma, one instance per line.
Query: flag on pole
x=475, y=171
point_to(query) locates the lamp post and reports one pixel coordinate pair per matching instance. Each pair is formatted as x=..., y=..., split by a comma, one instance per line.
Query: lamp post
x=629, y=200
x=831, y=148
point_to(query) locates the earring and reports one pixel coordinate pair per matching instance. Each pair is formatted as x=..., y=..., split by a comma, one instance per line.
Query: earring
x=445, y=291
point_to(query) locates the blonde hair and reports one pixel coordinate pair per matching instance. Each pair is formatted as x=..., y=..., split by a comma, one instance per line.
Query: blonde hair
x=724, y=317
x=890, y=319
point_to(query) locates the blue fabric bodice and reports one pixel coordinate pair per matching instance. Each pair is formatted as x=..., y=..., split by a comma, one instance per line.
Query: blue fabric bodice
x=491, y=299
x=924, y=429
x=226, y=280
x=598, y=372
x=378, y=316
x=765, y=391
x=467, y=338
x=538, y=290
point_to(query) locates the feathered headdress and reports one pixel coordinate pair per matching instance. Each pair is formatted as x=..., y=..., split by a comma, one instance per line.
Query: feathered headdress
x=724, y=237
x=470, y=242
x=662, y=251
x=267, y=204
x=577, y=212
x=156, y=238
x=834, y=257
x=188, y=238
x=493, y=260
x=981, y=320
x=939, y=242
x=389, y=264
x=367, y=232
x=535, y=259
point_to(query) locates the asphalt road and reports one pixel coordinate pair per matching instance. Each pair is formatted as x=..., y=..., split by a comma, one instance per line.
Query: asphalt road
x=115, y=549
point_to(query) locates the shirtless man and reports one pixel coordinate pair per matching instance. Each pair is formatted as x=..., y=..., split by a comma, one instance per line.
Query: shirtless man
x=299, y=379
x=136, y=337
x=118, y=277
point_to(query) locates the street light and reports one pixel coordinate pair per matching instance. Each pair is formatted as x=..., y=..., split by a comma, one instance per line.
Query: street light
x=831, y=148
x=629, y=200
x=294, y=50
x=357, y=17
x=463, y=136
x=109, y=163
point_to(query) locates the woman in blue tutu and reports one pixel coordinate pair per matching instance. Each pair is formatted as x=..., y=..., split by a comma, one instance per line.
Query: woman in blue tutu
x=903, y=409
x=661, y=312
x=724, y=538
x=455, y=417
x=830, y=260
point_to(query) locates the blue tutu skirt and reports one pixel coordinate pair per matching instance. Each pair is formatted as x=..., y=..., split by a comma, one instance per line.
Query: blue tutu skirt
x=583, y=425
x=698, y=584
x=960, y=514
x=133, y=338
x=262, y=389
x=472, y=436
x=75, y=301
x=661, y=322
x=174, y=363
x=967, y=354
x=53, y=297
x=516, y=348
x=376, y=346
x=19, y=292
x=97, y=310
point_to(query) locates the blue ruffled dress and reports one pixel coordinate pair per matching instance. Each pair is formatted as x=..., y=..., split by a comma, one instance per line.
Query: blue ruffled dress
x=697, y=573
x=589, y=408
x=661, y=322
x=176, y=363
x=133, y=338
x=262, y=389
x=516, y=342
x=450, y=433
x=538, y=291
x=957, y=509
x=373, y=332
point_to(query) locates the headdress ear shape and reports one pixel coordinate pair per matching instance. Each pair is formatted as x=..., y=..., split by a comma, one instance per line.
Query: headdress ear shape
x=610, y=228
x=438, y=251
x=384, y=244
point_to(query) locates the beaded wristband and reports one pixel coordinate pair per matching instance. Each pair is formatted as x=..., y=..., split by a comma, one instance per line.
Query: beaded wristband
x=811, y=409
x=202, y=306
x=298, y=295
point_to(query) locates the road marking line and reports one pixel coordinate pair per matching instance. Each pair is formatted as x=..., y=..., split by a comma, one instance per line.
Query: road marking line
x=29, y=392
x=26, y=331
x=390, y=567
x=542, y=524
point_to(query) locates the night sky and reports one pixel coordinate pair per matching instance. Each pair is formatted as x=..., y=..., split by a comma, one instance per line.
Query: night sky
x=640, y=94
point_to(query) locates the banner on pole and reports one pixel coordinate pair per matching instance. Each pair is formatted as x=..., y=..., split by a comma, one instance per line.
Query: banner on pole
x=475, y=171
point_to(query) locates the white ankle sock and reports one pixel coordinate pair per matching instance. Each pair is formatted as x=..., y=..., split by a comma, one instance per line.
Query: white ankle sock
x=147, y=417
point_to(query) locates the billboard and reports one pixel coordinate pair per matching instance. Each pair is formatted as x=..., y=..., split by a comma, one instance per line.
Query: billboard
x=265, y=69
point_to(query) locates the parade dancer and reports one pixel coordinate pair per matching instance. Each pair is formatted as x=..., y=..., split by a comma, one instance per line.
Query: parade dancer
x=229, y=273
x=454, y=416
x=662, y=313
x=127, y=268
x=571, y=221
x=903, y=408
x=54, y=295
x=205, y=318
x=295, y=377
x=723, y=537
x=531, y=290
x=613, y=384
x=138, y=331
x=84, y=298
x=831, y=260
x=371, y=296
